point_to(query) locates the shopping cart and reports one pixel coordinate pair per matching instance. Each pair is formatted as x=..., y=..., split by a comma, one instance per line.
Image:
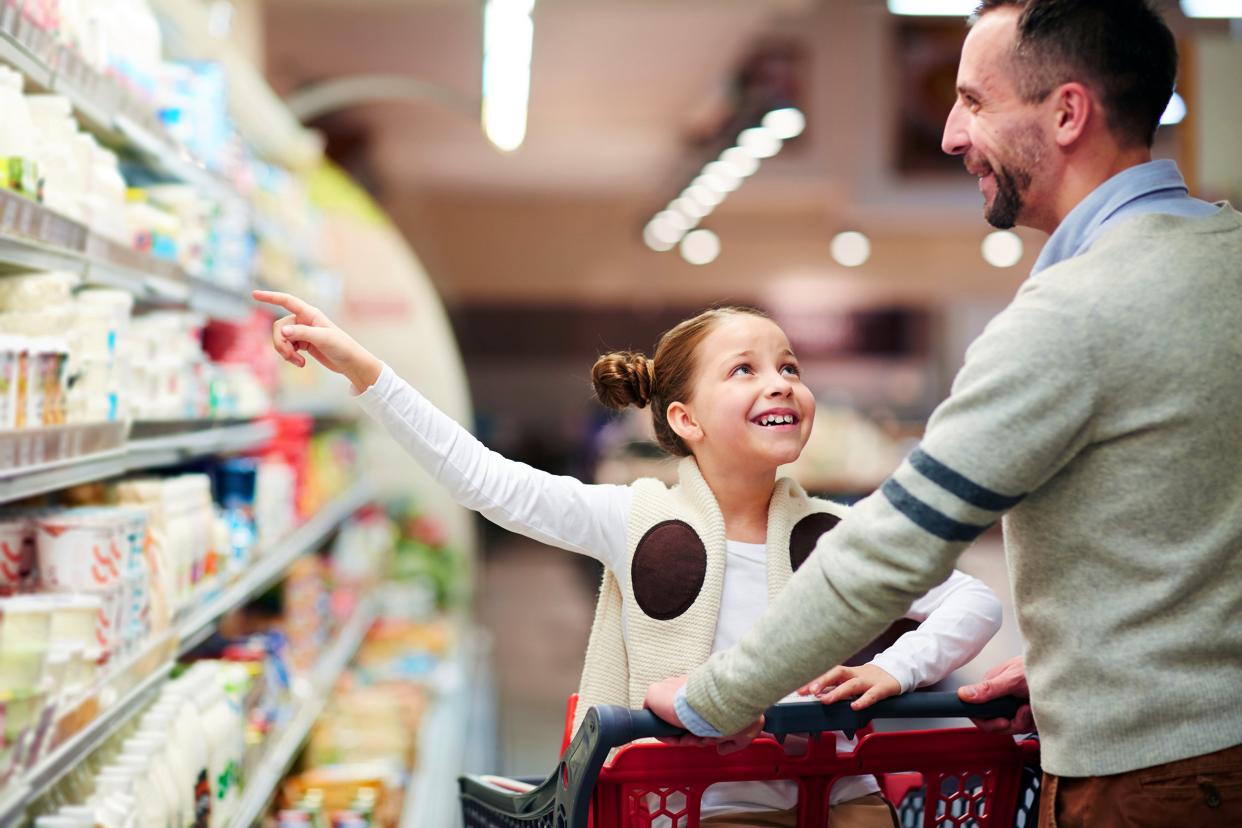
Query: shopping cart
x=958, y=778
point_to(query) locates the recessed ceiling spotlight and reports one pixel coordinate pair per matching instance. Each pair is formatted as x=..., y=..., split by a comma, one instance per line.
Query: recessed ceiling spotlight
x=785, y=123
x=700, y=247
x=851, y=248
x=1002, y=248
x=759, y=142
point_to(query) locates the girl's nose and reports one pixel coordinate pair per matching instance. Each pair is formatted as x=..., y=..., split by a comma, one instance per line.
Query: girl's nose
x=780, y=387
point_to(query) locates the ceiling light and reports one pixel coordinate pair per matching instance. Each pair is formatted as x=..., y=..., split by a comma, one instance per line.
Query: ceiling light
x=850, y=249
x=785, y=123
x=1002, y=248
x=508, y=34
x=740, y=161
x=759, y=142
x=1174, y=112
x=716, y=181
x=690, y=207
x=1212, y=8
x=703, y=195
x=660, y=236
x=934, y=8
x=700, y=247
x=676, y=219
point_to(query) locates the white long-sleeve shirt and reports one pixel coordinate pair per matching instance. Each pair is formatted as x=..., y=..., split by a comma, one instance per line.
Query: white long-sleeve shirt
x=956, y=618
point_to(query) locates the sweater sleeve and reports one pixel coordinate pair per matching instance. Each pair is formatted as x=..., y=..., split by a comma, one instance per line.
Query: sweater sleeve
x=1020, y=409
x=554, y=509
x=956, y=619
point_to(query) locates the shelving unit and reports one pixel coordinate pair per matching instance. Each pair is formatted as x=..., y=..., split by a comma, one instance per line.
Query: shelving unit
x=458, y=730
x=287, y=741
x=34, y=237
x=136, y=455
x=125, y=697
x=258, y=577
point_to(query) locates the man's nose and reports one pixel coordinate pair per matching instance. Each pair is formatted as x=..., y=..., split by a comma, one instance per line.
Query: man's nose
x=956, y=139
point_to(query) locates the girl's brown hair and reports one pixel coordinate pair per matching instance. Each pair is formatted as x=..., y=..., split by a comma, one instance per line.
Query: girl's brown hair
x=625, y=378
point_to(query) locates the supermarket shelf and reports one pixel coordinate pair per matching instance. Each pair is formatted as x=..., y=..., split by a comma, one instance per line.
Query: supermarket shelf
x=32, y=237
x=285, y=744
x=102, y=106
x=458, y=737
x=200, y=624
x=126, y=704
x=136, y=455
x=261, y=116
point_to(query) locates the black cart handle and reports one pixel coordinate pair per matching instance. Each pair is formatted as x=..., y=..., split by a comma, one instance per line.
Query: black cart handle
x=816, y=717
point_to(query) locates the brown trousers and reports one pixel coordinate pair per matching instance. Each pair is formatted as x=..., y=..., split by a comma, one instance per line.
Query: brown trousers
x=1200, y=792
x=870, y=811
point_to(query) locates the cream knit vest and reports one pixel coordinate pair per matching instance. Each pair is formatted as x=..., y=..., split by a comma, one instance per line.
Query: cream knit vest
x=616, y=674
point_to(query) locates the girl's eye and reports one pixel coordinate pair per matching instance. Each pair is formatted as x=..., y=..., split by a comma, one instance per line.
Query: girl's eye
x=741, y=369
x=791, y=369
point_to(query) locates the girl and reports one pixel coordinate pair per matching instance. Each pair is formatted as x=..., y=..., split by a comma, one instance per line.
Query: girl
x=688, y=568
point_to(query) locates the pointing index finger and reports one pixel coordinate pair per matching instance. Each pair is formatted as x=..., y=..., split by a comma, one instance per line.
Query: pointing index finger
x=287, y=301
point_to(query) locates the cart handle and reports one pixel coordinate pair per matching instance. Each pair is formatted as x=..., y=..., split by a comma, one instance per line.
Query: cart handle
x=817, y=717
x=567, y=792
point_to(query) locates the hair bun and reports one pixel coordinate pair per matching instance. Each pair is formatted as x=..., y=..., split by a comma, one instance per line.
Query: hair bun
x=623, y=379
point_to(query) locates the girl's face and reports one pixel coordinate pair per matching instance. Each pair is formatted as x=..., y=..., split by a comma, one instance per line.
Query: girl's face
x=749, y=405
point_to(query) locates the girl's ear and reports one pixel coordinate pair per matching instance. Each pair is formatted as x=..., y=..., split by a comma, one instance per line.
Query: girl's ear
x=682, y=421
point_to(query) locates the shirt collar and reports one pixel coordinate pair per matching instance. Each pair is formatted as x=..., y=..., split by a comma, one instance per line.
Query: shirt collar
x=1079, y=229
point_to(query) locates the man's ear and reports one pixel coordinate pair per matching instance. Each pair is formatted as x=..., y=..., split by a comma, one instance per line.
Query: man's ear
x=1075, y=106
x=682, y=421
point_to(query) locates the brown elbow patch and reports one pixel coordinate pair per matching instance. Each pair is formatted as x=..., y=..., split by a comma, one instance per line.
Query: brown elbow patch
x=806, y=534
x=668, y=569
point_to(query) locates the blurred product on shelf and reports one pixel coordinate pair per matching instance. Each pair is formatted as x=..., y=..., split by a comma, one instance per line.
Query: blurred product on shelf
x=180, y=763
x=364, y=744
x=436, y=575
x=19, y=169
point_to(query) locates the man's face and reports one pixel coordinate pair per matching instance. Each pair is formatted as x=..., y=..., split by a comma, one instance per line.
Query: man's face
x=997, y=133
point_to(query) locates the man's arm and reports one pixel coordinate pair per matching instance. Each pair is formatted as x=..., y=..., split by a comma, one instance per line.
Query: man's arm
x=1020, y=410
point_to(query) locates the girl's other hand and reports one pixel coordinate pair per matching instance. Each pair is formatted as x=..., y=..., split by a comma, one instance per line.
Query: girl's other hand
x=309, y=329
x=869, y=682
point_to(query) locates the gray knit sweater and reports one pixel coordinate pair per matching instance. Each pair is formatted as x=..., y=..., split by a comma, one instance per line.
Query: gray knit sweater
x=1103, y=411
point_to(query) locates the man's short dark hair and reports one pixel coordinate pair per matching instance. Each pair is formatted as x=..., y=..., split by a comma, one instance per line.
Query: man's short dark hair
x=1121, y=49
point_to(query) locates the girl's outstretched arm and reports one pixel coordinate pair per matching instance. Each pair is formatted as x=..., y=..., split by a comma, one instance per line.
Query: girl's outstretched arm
x=557, y=510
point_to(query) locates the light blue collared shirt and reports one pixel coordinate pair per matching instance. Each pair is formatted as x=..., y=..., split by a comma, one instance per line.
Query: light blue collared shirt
x=1153, y=187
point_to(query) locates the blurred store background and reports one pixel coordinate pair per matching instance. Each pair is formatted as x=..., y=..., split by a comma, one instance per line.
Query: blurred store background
x=638, y=161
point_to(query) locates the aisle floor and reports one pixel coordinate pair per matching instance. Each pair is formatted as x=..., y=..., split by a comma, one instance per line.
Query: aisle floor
x=537, y=603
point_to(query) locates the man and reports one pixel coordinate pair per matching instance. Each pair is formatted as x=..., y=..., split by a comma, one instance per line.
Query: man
x=1100, y=410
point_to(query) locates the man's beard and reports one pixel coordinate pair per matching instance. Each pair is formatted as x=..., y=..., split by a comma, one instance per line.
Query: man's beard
x=1011, y=185
x=1013, y=179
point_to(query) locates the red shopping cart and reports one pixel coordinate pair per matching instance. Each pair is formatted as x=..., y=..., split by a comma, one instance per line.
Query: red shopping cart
x=953, y=778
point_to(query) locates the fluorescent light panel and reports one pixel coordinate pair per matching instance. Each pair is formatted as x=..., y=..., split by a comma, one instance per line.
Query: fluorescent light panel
x=1212, y=8
x=508, y=36
x=933, y=8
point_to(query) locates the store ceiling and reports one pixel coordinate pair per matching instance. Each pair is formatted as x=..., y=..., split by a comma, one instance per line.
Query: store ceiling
x=617, y=85
x=619, y=91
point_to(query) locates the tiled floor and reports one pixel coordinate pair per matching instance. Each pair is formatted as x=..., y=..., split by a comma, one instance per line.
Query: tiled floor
x=538, y=603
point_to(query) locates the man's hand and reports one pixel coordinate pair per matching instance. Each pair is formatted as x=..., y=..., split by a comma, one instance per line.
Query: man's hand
x=660, y=697
x=660, y=700
x=869, y=682
x=1005, y=679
